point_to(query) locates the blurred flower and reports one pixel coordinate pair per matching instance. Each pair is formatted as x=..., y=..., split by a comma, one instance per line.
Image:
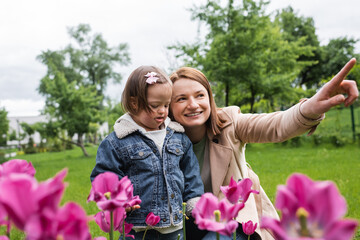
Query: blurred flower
x=249, y=227
x=152, y=219
x=238, y=191
x=17, y=166
x=18, y=197
x=4, y=238
x=22, y=196
x=310, y=210
x=205, y=218
x=102, y=219
x=67, y=222
x=109, y=193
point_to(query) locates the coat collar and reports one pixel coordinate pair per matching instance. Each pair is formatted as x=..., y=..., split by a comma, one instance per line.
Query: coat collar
x=125, y=125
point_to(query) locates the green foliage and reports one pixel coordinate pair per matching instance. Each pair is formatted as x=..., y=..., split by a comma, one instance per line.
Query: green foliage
x=76, y=80
x=113, y=112
x=245, y=55
x=4, y=126
x=296, y=27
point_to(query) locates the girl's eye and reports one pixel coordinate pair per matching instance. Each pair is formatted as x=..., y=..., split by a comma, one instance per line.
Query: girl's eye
x=154, y=106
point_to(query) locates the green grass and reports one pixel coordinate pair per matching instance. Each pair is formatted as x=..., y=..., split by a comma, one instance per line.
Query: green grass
x=274, y=164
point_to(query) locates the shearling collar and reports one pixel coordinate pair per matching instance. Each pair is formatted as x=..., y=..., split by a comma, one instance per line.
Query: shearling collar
x=125, y=125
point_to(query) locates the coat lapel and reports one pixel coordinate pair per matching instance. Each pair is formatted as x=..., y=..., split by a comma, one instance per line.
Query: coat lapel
x=220, y=157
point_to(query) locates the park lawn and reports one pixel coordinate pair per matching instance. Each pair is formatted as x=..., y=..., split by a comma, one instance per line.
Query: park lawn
x=272, y=162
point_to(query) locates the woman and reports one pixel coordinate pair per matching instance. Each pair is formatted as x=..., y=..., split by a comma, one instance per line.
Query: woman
x=220, y=135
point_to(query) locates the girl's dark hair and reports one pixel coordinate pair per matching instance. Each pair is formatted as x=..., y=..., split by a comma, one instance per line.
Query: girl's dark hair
x=215, y=122
x=134, y=96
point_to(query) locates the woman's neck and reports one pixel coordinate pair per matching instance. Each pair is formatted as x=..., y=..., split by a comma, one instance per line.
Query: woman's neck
x=195, y=134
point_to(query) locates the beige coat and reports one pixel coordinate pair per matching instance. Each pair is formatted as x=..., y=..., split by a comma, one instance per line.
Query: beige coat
x=226, y=152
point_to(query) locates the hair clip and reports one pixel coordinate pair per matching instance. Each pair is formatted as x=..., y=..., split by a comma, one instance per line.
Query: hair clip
x=151, y=77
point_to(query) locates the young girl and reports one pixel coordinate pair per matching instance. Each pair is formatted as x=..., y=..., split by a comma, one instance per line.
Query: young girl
x=154, y=153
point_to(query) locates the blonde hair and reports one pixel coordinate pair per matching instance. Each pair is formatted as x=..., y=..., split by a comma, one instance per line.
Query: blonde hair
x=214, y=122
x=135, y=90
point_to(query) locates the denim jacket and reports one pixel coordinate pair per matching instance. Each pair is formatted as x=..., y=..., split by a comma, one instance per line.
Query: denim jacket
x=164, y=182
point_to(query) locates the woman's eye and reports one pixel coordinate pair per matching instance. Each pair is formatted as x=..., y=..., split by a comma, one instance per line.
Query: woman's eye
x=180, y=99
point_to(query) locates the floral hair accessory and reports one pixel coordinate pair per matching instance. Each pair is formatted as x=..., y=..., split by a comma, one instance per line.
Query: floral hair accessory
x=151, y=77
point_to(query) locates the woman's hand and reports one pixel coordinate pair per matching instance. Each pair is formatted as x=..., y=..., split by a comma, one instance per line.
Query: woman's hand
x=333, y=93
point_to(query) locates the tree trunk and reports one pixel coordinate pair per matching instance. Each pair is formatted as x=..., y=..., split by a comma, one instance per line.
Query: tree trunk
x=227, y=90
x=80, y=143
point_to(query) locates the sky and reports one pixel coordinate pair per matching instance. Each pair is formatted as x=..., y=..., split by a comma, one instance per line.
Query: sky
x=148, y=26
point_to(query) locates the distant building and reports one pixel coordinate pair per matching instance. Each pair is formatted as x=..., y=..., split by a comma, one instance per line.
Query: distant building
x=14, y=124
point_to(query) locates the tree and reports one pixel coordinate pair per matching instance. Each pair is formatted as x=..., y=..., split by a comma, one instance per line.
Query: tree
x=76, y=80
x=4, y=126
x=74, y=105
x=295, y=27
x=91, y=62
x=244, y=54
x=94, y=60
x=336, y=53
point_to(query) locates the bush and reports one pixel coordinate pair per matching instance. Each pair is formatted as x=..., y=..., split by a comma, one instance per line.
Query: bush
x=337, y=140
x=317, y=139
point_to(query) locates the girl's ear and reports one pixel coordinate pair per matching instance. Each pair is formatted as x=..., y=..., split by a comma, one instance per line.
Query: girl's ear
x=133, y=103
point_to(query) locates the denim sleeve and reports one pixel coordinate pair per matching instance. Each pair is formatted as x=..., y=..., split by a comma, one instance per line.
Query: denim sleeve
x=107, y=160
x=189, y=165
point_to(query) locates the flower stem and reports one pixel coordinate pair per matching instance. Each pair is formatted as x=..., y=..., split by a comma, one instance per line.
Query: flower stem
x=144, y=234
x=248, y=237
x=123, y=229
x=217, y=218
x=111, y=233
x=234, y=235
x=184, y=218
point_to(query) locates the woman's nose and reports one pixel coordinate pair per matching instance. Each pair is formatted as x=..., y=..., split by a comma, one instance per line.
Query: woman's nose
x=192, y=103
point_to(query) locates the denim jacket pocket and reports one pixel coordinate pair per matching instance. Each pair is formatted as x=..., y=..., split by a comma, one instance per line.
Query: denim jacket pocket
x=139, y=151
x=176, y=149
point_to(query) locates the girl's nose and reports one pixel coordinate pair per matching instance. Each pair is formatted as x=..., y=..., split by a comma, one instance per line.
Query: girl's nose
x=161, y=109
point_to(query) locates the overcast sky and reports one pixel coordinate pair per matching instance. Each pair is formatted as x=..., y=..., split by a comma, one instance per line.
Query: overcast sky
x=148, y=26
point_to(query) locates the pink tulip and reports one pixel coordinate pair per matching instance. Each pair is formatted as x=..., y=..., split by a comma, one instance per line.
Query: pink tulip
x=249, y=227
x=49, y=193
x=22, y=196
x=97, y=238
x=311, y=210
x=17, y=166
x=68, y=222
x=3, y=215
x=18, y=197
x=102, y=219
x=205, y=219
x=4, y=238
x=109, y=193
x=152, y=219
x=238, y=191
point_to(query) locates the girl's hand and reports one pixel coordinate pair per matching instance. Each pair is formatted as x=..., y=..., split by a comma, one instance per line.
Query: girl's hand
x=331, y=94
x=129, y=209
